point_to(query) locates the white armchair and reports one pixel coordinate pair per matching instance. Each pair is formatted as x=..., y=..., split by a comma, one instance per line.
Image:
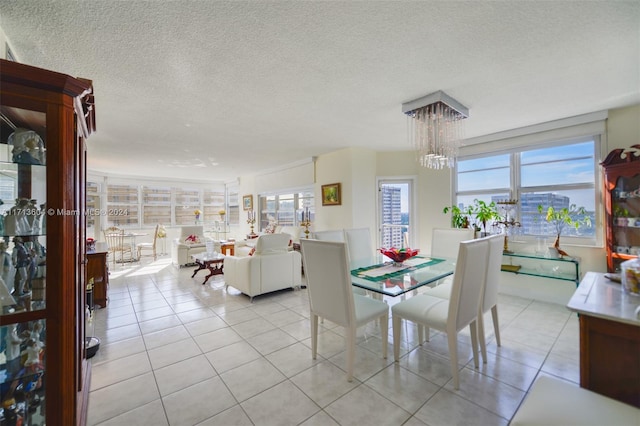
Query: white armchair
x=272, y=267
x=181, y=250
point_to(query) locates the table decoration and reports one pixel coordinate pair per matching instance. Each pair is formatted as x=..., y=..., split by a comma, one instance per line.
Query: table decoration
x=305, y=220
x=399, y=255
x=251, y=220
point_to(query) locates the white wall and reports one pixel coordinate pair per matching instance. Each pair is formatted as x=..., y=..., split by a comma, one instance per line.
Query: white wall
x=623, y=127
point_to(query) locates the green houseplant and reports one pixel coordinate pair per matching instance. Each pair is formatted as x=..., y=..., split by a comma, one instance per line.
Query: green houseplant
x=459, y=217
x=484, y=212
x=572, y=216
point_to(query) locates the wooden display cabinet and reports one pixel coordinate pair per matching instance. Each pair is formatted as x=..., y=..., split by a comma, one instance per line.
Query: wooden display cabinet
x=45, y=118
x=622, y=205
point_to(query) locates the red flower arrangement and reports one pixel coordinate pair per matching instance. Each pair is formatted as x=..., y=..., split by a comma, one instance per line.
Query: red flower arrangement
x=399, y=255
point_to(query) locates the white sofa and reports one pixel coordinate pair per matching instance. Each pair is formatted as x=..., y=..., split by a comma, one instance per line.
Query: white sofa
x=181, y=250
x=272, y=267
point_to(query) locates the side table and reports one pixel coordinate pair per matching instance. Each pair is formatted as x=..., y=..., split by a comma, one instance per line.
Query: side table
x=213, y=262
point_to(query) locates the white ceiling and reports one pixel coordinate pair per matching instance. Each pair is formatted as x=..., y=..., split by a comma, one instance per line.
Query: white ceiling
x=219, y=89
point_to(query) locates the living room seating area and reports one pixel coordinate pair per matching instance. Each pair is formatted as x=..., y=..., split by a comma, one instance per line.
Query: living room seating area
x=272, y=266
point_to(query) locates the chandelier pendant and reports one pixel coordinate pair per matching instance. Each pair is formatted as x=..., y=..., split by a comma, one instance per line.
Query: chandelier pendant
x=435, y=128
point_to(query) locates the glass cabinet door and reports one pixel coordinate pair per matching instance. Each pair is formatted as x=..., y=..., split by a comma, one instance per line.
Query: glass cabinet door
x=626, y=217
x=23, y=258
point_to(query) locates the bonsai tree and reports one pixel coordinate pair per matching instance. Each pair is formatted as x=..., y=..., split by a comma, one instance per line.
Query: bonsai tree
x=459, y=217
x=573, y=216
x=484, y=212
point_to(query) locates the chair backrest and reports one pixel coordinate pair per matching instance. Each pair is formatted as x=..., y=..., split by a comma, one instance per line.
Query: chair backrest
x=358, y=243
x=155, y=235
x=112, y=230
x=468, y=283
x=114, y=238
x=272, y=243
x=445, y=241
x=332, y=235
x=328, y=280
x=490, y=293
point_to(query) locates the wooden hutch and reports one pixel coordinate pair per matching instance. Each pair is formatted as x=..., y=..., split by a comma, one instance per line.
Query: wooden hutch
x=622, y=205
x=45, y=118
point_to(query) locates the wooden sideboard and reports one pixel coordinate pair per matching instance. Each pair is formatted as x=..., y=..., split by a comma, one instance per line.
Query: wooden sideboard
x=98, y=269
x=609, y=338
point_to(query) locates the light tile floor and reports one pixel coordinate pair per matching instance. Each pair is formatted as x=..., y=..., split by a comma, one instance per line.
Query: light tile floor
x=176, y=352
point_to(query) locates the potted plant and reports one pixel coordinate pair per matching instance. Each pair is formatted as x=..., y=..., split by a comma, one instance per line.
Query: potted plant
x=561, y=218
x=484, y=213
x=459, y=217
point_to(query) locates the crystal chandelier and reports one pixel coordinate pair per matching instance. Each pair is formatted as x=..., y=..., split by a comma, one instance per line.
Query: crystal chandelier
x=435, y=129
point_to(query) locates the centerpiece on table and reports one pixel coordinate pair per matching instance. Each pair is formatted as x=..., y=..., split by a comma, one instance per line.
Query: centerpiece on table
x=197, y=213
x=399, y=255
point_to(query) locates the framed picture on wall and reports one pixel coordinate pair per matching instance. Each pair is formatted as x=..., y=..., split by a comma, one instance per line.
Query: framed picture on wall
x=331, y=195
x=247, y=202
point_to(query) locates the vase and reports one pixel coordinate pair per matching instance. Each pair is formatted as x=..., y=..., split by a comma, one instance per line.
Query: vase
x=398, y=264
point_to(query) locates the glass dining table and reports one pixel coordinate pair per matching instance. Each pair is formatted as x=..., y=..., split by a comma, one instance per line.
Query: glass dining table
x=380, y=275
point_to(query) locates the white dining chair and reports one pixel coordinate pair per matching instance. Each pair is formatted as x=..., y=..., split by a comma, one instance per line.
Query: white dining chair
x=336, y=236
x=149, y=246
x=331, y=297
x=456, y=313
x=489, y=298
x=445, y=243
x=331, y=235
x=358, y=244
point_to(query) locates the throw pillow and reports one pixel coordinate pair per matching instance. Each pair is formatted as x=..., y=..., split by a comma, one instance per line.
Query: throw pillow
x=253, y=250
x=192, y=239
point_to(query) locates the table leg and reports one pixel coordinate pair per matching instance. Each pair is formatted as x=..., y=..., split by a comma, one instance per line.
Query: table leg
x=214, y=269
x=201, y=266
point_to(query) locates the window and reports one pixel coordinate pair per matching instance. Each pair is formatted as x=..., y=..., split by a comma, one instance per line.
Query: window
x=122, y=204
x=156, y=205
x=187, y=203
x=285, y=209
x=93, y=203
x=213, y=204
x=557, y=175
x=233, y=206
x=396, y=223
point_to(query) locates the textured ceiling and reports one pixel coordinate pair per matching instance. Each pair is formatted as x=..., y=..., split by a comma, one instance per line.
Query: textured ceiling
x=215, y=89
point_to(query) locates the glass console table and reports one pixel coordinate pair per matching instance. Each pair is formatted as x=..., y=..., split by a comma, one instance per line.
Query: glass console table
x=563, y=268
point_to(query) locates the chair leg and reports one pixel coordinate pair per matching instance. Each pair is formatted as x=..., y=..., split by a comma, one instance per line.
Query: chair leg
x=384, y=330
x=351, y=351
x=314, y=336
x=473, y=328
x=420, y=334
x=452, y=338
x=481, y=338
x=397, y=332
x=496, y=328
